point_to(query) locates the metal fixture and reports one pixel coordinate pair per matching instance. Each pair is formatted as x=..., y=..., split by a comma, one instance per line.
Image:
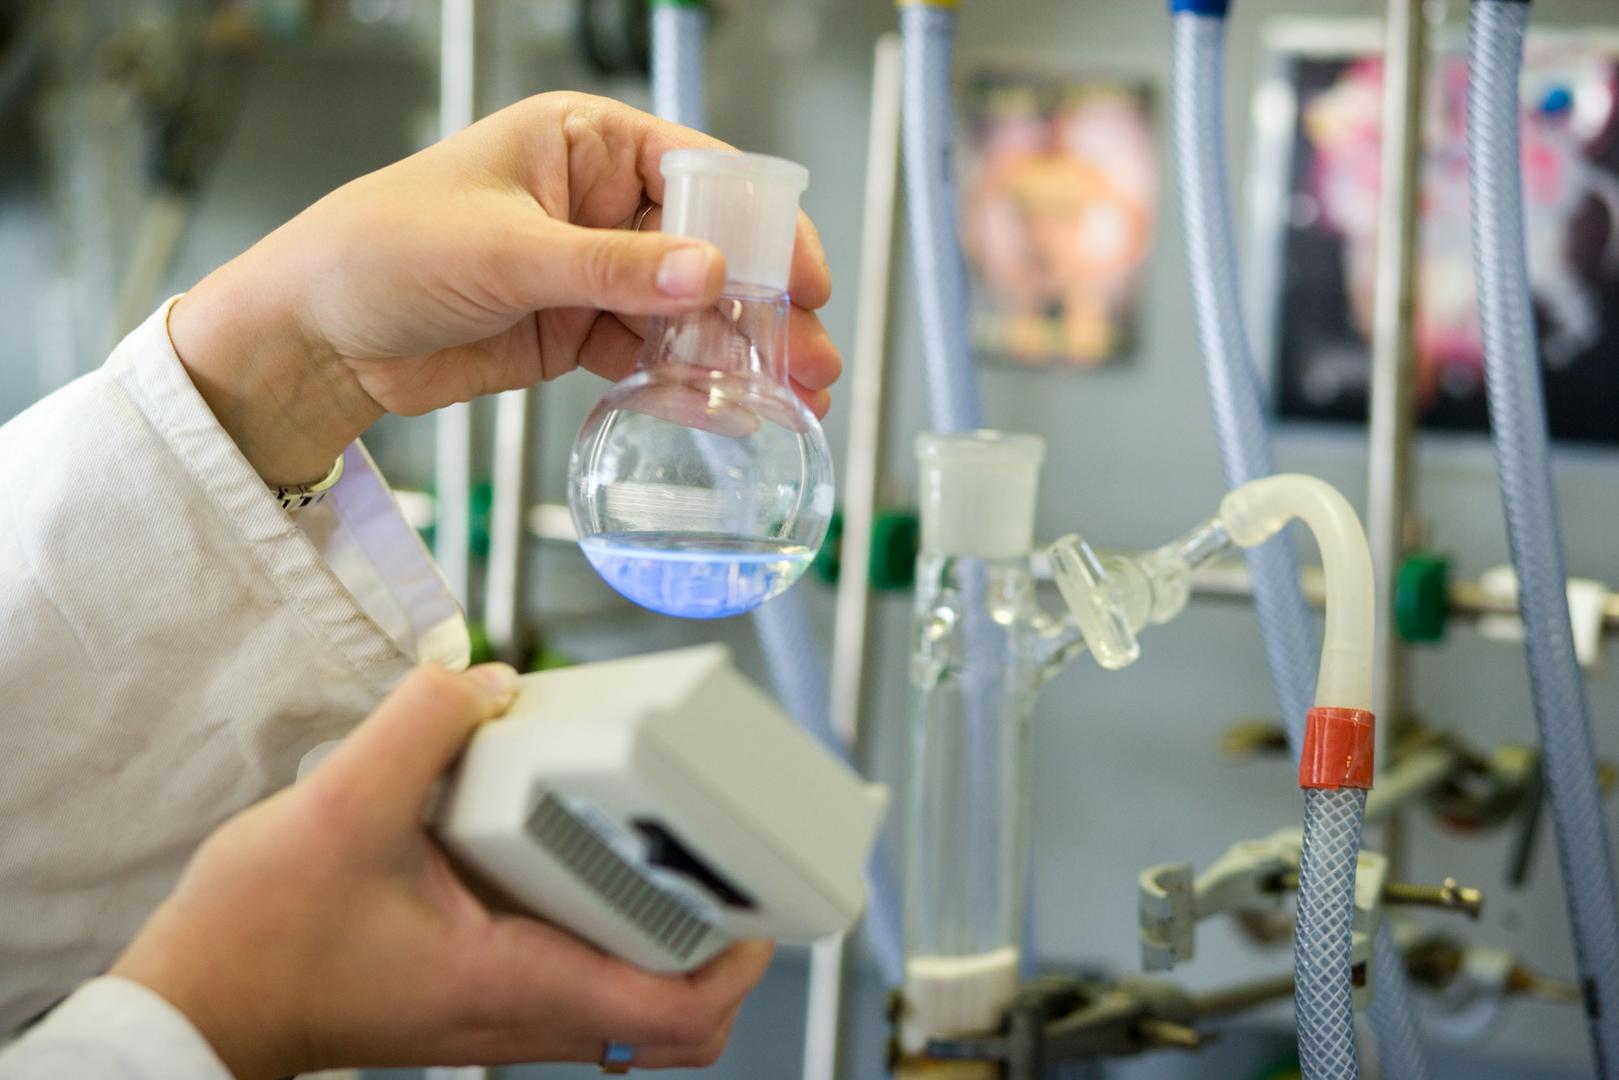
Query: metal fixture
x=1057, y=1019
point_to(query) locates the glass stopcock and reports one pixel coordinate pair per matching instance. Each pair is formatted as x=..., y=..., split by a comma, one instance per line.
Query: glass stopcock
x=701, y=486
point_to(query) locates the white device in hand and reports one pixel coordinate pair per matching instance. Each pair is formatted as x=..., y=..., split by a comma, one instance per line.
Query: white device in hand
x=661, y=807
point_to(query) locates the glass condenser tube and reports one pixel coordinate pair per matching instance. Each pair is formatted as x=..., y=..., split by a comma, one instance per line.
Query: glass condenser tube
x=977, y=665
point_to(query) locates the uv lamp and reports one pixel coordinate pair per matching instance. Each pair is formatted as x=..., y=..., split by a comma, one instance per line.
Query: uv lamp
x=661, y=807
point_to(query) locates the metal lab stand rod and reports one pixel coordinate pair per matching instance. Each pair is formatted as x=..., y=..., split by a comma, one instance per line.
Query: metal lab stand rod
x=1466, y=599
x=506, y=584
x=506, y=579
x=831, y=959
x=1392, y=408
x=1469, y=598
x=863, y=463
x=1393, y=374
x=452, y=447
x=1413, y=777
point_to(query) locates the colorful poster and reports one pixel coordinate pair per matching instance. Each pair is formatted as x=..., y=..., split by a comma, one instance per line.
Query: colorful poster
x=1327, y=223
x=1059, y=189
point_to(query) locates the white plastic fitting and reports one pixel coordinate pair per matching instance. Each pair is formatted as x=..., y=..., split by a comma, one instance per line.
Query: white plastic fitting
x=978, y=493
x=1113, y=597
x=744, y=204
x=957, y=995
x=1258, y=510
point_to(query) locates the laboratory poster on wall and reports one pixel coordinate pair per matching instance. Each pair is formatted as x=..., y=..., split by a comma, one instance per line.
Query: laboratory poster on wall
x=1058, y=188
x=1319, y=122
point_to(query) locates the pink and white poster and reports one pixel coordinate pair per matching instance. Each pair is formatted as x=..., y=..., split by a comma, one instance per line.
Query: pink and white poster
x=1326, y=230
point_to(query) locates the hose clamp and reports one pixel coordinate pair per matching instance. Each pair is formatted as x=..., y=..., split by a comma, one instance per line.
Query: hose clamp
x=1338, y=748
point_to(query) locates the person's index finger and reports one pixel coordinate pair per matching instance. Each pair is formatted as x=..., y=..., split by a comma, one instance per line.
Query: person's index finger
x=658, y=137
x=594, y=158
x=810, y=282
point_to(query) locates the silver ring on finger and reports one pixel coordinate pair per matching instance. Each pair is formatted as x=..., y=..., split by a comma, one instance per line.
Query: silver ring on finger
x=646, y=207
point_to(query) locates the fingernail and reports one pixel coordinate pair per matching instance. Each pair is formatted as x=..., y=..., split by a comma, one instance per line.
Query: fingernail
x=685, y=271
x=498, y=680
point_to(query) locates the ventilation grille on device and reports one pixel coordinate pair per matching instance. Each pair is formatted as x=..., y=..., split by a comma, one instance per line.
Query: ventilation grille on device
x=621, y=884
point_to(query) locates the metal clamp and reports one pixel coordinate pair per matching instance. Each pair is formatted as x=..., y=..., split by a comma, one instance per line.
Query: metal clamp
x=1470, y=983
x=1252, y=876
x=1241, y=880
x=1055, y=1020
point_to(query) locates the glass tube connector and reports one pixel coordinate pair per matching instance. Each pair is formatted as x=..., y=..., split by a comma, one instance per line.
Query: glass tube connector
x=982, y=649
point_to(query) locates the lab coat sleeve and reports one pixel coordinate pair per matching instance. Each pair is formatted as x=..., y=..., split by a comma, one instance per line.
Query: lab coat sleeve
x=171, y=643
x=112, y=1029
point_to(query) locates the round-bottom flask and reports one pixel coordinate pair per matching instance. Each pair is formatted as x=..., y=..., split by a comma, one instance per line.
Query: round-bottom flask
x=700, y=485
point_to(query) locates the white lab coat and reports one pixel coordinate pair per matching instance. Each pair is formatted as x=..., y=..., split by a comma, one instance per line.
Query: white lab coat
x=113, y=1029
x=171, y=643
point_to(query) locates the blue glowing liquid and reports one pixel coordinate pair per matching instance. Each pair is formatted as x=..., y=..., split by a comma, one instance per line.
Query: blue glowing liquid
x=695, y=575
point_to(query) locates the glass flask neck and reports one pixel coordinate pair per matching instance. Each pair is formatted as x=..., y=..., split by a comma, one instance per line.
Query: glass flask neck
x=745, y=332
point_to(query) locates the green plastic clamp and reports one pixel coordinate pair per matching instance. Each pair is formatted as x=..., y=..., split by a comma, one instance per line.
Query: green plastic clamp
x=1422, y=597
x=828, y=562
x=480, y=504
x=896, y=540
x=481, y=507
x=1286, y=1069
x=896, y=537
x=482, y=650
x=429, y=532
x=547, y=659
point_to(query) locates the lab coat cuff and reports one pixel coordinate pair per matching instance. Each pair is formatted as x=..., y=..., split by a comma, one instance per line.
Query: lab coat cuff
x=383, y=606
x=115, y=1022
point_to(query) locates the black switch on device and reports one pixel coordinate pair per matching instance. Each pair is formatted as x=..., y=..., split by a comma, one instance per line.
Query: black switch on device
x=665, y=849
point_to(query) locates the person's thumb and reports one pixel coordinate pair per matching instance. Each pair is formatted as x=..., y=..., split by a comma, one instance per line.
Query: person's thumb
x=391, y=761
x=632, y=273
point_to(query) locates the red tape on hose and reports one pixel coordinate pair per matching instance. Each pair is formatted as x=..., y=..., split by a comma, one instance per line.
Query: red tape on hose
x=1338, y=748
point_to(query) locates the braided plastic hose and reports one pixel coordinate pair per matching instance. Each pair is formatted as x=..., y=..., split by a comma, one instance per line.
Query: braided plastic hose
x=1286, y=627
x=927, y=120
x=1393, y=1012
x=1518, y=420
x=797, y=668
x=794, y=657
x=679, y=34
x=1198, y=92
x=1323, y=941
x=884, y=922
x=786, y=636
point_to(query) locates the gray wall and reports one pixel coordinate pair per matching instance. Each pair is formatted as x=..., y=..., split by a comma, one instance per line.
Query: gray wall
x=1128, y=770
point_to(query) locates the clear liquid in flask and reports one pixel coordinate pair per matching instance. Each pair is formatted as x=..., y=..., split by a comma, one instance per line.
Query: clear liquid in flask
x=695, y=575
